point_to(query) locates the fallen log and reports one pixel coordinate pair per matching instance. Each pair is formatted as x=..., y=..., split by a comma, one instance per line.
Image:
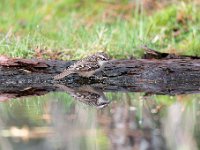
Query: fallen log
x=177, y=75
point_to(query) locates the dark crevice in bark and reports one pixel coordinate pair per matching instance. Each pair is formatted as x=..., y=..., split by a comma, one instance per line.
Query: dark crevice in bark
x=177, y=75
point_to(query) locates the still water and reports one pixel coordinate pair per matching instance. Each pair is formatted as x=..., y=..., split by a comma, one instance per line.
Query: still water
x=131, y=121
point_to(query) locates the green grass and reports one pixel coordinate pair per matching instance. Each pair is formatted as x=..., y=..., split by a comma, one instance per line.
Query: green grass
x=78, y=28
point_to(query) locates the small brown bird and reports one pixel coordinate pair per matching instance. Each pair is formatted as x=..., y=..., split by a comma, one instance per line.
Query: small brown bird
x=86, y=94
x=85, y=67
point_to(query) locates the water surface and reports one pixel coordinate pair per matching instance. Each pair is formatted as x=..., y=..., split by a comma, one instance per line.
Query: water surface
x=132, y=121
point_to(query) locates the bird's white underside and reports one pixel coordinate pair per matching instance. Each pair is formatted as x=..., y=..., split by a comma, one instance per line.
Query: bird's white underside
x=101, y=63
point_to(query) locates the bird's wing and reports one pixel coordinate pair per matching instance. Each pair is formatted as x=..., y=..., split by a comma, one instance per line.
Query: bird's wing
x=84, y=66
x=86, y=95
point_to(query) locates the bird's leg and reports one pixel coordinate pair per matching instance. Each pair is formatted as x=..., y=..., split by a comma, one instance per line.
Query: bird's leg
x=65, y=73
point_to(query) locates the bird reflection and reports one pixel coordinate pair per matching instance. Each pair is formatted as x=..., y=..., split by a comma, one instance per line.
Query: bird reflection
x=86, y=94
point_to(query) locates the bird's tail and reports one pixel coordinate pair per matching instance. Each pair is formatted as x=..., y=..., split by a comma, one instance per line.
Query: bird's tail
x=62, y=75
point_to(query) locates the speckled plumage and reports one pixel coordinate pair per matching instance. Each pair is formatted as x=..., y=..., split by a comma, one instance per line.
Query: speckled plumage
x=87, y=95
x=85, y=67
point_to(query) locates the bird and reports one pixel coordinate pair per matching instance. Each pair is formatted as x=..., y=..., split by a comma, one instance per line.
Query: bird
x=86, y=94
x=85, y=67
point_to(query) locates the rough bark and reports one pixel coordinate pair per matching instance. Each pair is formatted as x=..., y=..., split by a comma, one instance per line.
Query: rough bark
x=177, y=75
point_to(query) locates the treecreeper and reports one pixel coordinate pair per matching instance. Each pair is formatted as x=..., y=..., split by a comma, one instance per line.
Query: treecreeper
x=85, y=67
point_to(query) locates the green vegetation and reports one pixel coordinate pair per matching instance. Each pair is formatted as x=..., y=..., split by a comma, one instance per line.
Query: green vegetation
x=71, y=29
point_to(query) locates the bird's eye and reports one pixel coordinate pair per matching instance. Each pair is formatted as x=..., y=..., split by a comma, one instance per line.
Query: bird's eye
x=102, y=58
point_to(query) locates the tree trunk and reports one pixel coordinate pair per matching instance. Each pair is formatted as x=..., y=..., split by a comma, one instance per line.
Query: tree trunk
x=21, y=77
